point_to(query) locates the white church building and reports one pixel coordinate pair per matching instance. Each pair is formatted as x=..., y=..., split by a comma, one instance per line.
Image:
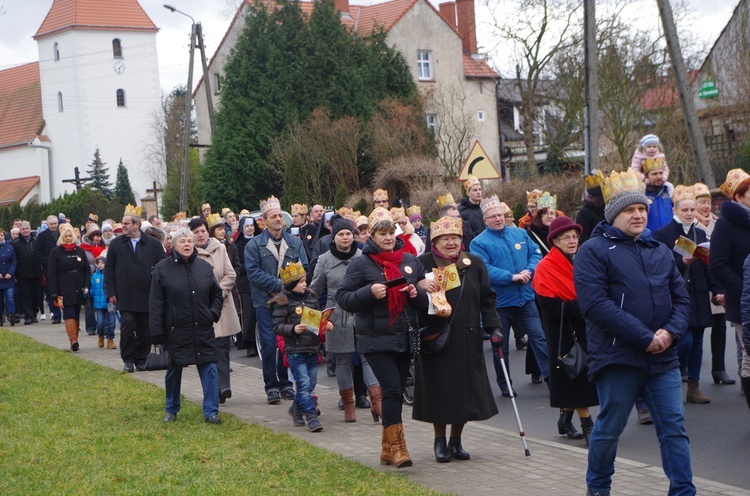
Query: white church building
x=95, y=85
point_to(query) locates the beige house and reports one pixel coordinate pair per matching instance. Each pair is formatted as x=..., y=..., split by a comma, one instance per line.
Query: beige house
x=441, y=50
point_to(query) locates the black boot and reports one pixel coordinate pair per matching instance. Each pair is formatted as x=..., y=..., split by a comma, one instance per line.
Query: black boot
x=565, y=425
x=457, y=451
x=721, y=377
x=587, y=425
x=746, y=387
x=442, y=455
x=361, y=401
x=296, y=415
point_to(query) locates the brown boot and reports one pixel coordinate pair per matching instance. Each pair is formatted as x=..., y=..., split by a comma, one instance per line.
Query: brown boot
x=72, y=330
x=385, y=450
x=376, y=397
x=694, y=394
x=100, y=342
x=111, y=344
x=347, y=397
x=396, y=444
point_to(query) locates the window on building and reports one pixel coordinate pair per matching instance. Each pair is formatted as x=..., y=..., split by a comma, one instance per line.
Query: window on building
x=117, y=48
x=56, y=51
x=59, y=102
x=481, y=88
x=424, y=65
x=480, y=115
x=432, y=123
x=217, y=82
x=120, y=98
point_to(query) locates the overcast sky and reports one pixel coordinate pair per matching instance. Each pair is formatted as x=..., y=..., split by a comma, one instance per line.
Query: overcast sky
x=22, y=18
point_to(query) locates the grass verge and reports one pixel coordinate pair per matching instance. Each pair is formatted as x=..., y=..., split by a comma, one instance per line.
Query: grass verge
x=70, y=426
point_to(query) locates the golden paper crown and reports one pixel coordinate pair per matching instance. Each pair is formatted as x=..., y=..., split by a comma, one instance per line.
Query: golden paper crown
x=470, y=182
x=532, y=196
x=205, y=206
x=347, y=213
x=446, y=225
x=361, y=221
x=682, y=193
x=377, y=216
x=225, y=210
x=653, y=164
x=546, y=201
x=94, y=217
x=244, y=213
x=379, y=195
x=445, y=200
x=397, y=213
x=593, y=180
x=213, y=220
x=735, y=177
x=504, y=208
x=621, y=182
x=489, y=203
x=298, y=208
x=700, y=189
x=134, y=211
x=179, y=216
x=414, y=209
x=291, y=273
x=269, y=204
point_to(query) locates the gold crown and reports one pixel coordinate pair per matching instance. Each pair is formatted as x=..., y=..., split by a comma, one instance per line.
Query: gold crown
x=347, y=213
x=225, y=210
x=291, y=273
x=361, y=221
x=397, y=213
x=445, y=200
x=700, y=189
x=205, y=206
x=593, y=180
x=377, y=216
x=621, y=182
x=735, y=177
x=380, y=195
x=532, y=196
x=94, y=217
x=298, y=208
x=414, y=209
x=470, y=182
x=682, y=193
x=269, y=204
x=504, y=208
x=213, y=220
x=490, y=203
x=134, y=211
x=546, y=201
x=446, y=225
x=244, y=213
x=653, y=164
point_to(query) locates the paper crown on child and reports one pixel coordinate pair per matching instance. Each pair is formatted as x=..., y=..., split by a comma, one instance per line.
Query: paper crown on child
x=446, y=225
x=293, y=272
x=298, y=208
x=377, y=216
x=414, y=209
x=348, y=213
x=380, y=195
x=546, y=201
x=446, y=199
x=682, y=193
x=621, y=182
x=397, y=213
x=593, y=180
x=213, y=220
x=133, y=211
x=489, y=203
x=470, y=182
x=700, y=189
x=735, y=177
x=269, y=204
x=532, y=196
x=653, y=164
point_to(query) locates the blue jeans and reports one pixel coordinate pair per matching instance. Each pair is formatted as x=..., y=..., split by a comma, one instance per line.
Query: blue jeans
x=527, y=318
x=690, y=352
x=105, y=321
x=275, y=375
x=304, y=367
x=7, y=301
x=618, y=386
x=209, y=380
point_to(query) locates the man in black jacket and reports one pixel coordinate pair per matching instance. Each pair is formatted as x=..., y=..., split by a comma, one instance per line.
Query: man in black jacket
x=28, y=274
x=127, y=278
x=469, y=208
x=45, y=241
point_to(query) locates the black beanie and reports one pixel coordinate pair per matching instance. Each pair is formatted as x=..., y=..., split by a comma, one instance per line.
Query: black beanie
x=340, y=224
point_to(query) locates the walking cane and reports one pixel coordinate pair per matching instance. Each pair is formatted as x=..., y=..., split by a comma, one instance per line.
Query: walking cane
x=497, y=340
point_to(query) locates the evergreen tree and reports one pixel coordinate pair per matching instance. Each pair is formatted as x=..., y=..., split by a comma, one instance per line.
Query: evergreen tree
x=99, y=175
x=123, y=191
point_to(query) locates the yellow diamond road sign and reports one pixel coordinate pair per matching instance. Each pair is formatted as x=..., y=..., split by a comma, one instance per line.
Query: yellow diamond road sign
x=478, y=164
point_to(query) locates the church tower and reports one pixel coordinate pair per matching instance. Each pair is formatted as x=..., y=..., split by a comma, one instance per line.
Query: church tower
x=100, y=87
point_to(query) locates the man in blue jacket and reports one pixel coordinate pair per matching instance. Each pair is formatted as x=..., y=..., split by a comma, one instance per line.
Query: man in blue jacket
x=511, y=258
x=636, y=307
x=265, y=254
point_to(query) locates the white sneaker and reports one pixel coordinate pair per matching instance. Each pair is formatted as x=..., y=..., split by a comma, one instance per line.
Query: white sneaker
x=43, y=317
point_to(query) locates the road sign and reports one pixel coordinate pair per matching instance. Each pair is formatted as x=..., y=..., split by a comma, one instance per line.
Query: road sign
x=708, y=90
x=478, y=164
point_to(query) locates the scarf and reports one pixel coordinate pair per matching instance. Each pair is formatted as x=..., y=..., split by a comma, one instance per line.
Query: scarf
x=68, y=246
x=553, y=277
x=389, y=262
x=95, y=250
x=408, y=247
x=343, y=255
x=437, y=254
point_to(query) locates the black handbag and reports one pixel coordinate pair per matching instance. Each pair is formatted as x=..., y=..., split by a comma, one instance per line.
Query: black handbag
x=158, y=359
x=574, y=362
x=434, y=335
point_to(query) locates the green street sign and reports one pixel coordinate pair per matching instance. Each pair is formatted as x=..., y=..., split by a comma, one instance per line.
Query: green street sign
x=708, y=90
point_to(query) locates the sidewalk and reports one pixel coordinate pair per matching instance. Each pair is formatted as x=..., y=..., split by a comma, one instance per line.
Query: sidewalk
x=497, y=461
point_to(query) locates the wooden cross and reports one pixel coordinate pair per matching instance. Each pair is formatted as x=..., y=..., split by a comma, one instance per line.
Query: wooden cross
x=155, y=190
x=78, y=181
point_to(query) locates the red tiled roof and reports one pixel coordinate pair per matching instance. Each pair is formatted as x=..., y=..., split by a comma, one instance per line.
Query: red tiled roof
x=95, y=14
x=20, y=105
x=665, y=95
x=14, y=190
x=383, y=15
x=478, y=68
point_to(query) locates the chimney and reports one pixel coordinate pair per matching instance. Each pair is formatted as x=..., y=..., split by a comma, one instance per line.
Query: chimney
x=343, y=7
x=448, y=12
x=466, y=25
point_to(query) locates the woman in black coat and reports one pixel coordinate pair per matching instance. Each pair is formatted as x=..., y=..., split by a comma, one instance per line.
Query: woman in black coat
x=246, y=339
x=185, y=301
x=380, y=288
x=69, y=279
x=451, y=386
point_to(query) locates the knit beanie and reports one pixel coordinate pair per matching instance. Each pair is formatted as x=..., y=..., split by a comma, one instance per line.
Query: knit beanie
x=623, y=201
x=649, y=139
x=339, y=224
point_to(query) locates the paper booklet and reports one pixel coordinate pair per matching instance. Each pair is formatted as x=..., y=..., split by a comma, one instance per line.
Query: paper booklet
x=316, y=320
x=688, y=248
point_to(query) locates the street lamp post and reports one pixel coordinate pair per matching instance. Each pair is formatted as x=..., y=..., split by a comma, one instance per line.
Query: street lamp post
x=196, y=33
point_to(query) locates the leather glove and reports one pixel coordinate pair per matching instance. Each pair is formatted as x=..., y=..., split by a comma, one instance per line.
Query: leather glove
x=159, y=339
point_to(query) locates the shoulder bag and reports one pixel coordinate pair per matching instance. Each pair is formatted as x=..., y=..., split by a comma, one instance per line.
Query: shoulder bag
x=572, y=363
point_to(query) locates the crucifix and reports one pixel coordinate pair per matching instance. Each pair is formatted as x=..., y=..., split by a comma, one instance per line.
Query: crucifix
x=78, y=181
x=155, y=190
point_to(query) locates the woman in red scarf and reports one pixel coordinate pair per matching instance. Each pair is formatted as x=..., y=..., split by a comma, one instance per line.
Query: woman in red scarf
x=381, y=289
x=563, y=324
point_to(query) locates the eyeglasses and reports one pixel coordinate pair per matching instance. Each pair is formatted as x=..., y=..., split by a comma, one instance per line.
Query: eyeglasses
x=401, y=223
x=568, y=237
x=496, y=216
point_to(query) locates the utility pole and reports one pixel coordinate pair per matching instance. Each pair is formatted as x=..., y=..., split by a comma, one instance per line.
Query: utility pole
x=698, y=145
x=591, y=90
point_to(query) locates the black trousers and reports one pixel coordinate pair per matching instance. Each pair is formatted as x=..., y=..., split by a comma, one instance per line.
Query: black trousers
x=29, y=294
x=223, y=345
x=246, y=339
x=718, y=342
x=135, y=338
x=391, y=369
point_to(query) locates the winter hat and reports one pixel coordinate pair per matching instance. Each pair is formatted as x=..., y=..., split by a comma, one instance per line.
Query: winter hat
x=649, y=140
x=339, y=224
x=560, y=225
x=620, y=190
x=107, y=227
x=623, y=201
